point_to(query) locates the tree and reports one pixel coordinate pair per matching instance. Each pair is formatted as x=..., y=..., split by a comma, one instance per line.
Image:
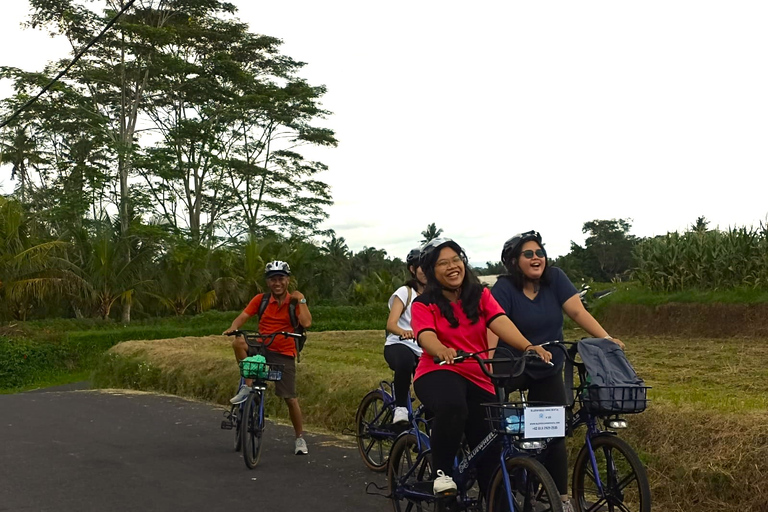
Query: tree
x=606, y=255
x=430, y=233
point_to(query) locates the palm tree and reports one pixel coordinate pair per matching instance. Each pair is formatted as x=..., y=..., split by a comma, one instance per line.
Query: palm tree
x=20, y=150
x=430, y=233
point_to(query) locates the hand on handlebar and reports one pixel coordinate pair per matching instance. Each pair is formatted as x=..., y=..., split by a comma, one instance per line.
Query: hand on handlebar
x=543, y=353
x=445, y=354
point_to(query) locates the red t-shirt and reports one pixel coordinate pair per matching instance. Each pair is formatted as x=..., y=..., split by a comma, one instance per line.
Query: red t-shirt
x=467, y=336
x=274, y=319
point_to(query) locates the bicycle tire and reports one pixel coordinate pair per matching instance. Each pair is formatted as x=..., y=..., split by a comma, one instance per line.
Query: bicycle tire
x=374, y=451
x=403, y=457
x=532, y=488
x=234, y=414
x=622, y=473
x=252, y=429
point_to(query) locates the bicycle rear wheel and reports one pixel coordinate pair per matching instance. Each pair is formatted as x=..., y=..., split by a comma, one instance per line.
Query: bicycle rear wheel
x=373, y=414
x=251, y=429
x=409, y=471
x=235, y=413
x=622, y=475
x=532, y=488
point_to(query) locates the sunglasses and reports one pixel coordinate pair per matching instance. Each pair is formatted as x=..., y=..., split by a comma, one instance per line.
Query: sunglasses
x=529, y=253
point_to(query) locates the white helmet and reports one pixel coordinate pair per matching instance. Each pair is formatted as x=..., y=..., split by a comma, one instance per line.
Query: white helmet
x=277, y=268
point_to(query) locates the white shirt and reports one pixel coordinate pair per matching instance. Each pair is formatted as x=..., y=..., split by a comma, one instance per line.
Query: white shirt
x=404, y=322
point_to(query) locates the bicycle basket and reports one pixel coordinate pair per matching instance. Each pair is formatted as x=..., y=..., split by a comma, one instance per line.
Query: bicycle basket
x=256, y=367
x=614, y=399
x=506, y=418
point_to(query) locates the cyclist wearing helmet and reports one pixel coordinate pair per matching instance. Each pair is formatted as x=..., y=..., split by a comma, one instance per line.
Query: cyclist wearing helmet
x=401, y=350
x=534, y=295
x=276, y=318
x=454, y=313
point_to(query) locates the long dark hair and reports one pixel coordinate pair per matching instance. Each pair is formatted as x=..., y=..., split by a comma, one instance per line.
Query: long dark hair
x=413, y=283
x=516, y=276
x=471, y=288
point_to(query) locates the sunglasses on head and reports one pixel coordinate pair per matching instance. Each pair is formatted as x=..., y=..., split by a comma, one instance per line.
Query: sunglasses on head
x=529, y=253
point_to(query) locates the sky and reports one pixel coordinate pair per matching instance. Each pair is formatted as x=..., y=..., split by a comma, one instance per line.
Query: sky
x=495, y=117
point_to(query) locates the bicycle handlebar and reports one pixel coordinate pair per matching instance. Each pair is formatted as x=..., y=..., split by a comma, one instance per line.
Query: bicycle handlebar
x=250, y=335
x=518, y=362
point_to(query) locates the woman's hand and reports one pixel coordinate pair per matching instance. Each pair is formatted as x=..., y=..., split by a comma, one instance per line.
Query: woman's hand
x=544, y=354
x=618, y=342
x=406, y=335
x=445, y=354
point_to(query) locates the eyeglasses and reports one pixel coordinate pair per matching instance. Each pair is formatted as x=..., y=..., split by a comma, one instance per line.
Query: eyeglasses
x=444, y=263
x=529, y=253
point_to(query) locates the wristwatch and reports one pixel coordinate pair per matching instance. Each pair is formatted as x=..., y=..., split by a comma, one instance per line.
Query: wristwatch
x=303, y=301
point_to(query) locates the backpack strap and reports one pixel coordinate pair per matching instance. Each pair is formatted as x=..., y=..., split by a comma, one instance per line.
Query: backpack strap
x=408, y=300
x=264, y=303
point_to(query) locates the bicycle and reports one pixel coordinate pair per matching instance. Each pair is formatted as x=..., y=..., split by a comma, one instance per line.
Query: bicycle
x=608, y=474
x=247, y=418
x=375, y=431
x=519, y=483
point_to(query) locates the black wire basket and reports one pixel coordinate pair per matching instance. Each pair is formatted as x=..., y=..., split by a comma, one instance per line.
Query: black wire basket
x=613, y=399
x=506, y=418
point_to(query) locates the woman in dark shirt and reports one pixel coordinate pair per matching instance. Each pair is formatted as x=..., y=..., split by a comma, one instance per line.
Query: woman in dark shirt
x=534, y=296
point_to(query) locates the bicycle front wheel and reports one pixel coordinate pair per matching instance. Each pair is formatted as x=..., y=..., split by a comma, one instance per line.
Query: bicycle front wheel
x=531, y=488
x=623, y=478
x=372, y=415
x=251, y=430
x=410, y=471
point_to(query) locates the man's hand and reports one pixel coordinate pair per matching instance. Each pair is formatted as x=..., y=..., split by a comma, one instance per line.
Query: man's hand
x=229, y=330
x=296, y=294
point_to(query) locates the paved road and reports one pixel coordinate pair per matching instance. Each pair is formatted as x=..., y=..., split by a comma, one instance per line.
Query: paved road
x=81, y=451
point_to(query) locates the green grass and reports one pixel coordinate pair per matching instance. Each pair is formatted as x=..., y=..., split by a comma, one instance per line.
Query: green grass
x=43, y=352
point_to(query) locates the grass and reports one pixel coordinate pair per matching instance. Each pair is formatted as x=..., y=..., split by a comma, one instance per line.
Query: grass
x=703, y=438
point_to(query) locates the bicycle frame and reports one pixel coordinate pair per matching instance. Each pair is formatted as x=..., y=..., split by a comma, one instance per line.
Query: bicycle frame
x=387, y=392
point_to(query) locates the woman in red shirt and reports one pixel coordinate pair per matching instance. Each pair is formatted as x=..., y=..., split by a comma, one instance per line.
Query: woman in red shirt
x=453, y=314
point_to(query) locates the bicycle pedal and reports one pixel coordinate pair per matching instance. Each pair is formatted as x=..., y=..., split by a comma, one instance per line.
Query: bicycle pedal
x=227, y=425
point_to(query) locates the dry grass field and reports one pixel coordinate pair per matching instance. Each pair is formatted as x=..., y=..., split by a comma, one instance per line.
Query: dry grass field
x=704, y=437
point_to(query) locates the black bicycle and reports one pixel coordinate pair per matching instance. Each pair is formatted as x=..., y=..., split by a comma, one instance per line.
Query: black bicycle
x=247, y=418
x=520, y=483
x=607, y=474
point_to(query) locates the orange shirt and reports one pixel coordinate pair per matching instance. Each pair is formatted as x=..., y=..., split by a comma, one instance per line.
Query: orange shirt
x=275, y=319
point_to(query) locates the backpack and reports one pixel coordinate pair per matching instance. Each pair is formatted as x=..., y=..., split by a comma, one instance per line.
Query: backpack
x=407, y=303
x=612, y=385
x=297, y=327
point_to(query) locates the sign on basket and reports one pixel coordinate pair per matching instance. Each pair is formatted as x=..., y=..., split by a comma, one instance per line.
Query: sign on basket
x=543, y=422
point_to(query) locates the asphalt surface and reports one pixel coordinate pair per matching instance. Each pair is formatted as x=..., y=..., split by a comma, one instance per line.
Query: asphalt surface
x=70, y=450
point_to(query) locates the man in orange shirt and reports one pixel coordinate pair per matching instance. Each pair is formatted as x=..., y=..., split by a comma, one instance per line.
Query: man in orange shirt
x=276, y=318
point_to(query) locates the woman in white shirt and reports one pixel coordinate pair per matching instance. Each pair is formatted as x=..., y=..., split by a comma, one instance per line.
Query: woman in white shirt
x=401, y=350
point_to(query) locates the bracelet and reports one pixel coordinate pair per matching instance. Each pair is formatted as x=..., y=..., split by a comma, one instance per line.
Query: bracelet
x=608, y=337
x=526, y=348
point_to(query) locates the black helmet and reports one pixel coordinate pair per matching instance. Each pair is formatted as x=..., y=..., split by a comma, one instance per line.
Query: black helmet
x=512, y=245
x=277, y=268
x=431, y=249
x=413, y=257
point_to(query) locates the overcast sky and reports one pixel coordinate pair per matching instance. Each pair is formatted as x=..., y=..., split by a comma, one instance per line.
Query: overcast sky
x=491, y=118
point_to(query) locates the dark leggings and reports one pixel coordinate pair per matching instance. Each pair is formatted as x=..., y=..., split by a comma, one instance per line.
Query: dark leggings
x=549, y=390
x=402, y=360
x=455, y=403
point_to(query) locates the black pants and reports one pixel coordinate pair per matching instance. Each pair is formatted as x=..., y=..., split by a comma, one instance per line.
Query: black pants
x=455, y=403
x=402, y=360
x=551, y=391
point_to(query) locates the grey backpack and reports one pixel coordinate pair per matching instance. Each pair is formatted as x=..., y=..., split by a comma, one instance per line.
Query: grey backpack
x=612, y=385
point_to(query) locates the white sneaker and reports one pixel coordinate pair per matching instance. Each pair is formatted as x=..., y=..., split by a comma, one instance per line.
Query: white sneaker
x=301, y=446
x=444, y=485
x=241, y=396
x=401, y=415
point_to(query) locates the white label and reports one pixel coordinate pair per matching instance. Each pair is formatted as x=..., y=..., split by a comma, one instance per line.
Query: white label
x=543, y=422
